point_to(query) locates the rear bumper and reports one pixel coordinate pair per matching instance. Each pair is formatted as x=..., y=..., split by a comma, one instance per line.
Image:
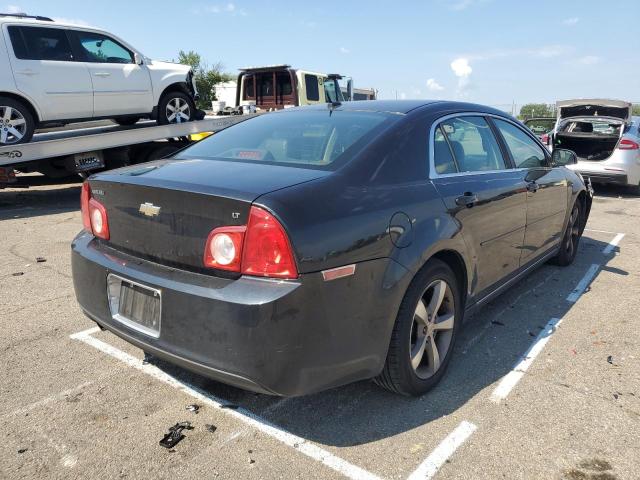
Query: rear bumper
x=278, y=337
x=606, y=177
x=622, y=168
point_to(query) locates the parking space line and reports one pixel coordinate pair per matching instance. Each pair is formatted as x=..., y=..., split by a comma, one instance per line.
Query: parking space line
x=291, y=440
x=427, y=469
x=512, y=378
x=613, y=244
x=599, y=231
x=47, y=400
x=583, y=283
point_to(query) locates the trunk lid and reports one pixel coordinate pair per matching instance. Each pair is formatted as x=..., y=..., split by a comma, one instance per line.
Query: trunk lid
x=163, y=211
x=594, y=107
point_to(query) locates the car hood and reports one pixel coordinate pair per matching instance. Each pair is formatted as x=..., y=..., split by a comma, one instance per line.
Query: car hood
x=594, y=107
x=167, y=66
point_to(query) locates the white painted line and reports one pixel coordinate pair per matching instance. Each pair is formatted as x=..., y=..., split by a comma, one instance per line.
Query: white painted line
x=84, y=333
x=427, y=469
x=313, y=451
x=599, y=231
x=511, y=379
x=583, y=283
x=47, y=400
x=613, y=244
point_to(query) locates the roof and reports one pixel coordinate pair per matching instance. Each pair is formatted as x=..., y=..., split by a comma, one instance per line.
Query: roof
x=40, y=21
x=406, y=106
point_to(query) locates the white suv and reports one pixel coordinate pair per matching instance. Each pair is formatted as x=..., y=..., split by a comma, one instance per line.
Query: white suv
x=54, y=73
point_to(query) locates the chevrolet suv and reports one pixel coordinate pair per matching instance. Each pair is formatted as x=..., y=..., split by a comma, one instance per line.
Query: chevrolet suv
x=53, y=73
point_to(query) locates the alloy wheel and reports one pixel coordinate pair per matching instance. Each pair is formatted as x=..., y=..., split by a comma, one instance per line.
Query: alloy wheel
x=13, y=125
x=432, y=329
x=573, y=232
x=178, y=110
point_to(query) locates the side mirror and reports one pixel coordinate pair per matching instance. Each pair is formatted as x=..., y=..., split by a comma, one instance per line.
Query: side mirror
x=138, y=59
x=561, y=157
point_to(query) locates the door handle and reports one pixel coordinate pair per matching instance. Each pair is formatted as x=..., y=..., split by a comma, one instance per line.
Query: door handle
x=532, y=186
x=27, y=72
x=468, y=200
x=102, y=74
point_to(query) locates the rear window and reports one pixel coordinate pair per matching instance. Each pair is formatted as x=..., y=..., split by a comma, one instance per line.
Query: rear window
x=38, y=43
x=311, y=139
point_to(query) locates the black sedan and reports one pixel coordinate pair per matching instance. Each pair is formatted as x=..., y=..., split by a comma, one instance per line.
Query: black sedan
x=313, y=247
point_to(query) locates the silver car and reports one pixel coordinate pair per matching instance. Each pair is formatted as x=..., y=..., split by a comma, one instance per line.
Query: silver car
x=605, y=137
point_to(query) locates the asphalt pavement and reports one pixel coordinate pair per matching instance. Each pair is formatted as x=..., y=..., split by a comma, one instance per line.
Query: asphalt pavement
x=544, y=383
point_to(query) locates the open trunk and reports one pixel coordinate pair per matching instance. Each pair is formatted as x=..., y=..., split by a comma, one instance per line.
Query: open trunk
x=164, y=211
x=592, y=147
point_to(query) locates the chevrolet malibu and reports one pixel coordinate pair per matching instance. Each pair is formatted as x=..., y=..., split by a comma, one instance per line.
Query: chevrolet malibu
x=317, y=246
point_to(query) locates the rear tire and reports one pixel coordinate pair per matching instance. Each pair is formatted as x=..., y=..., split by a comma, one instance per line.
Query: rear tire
x=126, y=121
x=571, y=238
x=421, y=342
x=175, y=107
x=634, y=190
x=16, y=122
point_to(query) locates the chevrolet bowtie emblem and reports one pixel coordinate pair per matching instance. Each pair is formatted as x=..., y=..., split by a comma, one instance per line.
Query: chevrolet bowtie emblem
x=149, y=209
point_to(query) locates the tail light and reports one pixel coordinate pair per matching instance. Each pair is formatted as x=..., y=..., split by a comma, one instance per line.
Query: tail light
x=626, y=144
x=545, y=139
x=94, y=215
x=261, y=248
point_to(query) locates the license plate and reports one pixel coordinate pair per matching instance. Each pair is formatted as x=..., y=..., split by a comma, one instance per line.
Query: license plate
x=134, y=305
x=88, y=161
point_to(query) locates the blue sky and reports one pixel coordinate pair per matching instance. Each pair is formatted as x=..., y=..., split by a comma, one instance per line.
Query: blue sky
x=486, y=51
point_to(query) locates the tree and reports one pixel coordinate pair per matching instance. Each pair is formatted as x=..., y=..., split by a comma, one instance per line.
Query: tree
x=206, y=77
x=636, y=109
x=533, y=110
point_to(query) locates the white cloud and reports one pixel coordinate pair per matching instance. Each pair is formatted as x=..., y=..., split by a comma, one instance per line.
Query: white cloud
x=459, y=5
x=344, y=50
x=434, y=86
x=462, y=70
x=570, y=21
x=589, y=60
x=551, y=51
x=14, y=9
x=228, y=8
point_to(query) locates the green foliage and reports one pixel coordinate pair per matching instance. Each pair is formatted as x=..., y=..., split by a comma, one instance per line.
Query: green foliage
x=206, y=77
x=533, y=110
x=636, y=109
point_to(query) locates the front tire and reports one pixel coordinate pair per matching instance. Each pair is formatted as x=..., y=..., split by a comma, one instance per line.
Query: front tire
x=16, y=122
x=425, y=332
x=571, y=238
x=176, y=107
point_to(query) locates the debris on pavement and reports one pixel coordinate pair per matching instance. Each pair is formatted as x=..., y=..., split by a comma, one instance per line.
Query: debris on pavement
x=174, y=436
x=194, y=407
x=41, y=259
x=210, y=428
x=17, y=274
x=610, y=359
x=22, y=450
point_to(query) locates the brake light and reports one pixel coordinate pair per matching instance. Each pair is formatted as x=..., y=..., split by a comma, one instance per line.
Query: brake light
x=545, y=139
x=85, y=195
x=626, y=144
x=260, y=249
x=94, y=215
x=223, y=249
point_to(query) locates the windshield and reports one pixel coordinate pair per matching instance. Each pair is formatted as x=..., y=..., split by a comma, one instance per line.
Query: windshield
x=315, y=139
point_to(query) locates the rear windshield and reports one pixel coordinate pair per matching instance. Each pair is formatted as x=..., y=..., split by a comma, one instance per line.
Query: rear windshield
x=310, y=139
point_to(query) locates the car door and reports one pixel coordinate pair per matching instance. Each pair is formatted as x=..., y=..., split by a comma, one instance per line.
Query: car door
x=120, y=86
x=547, y=189
x=484, y=194
x=46, y=71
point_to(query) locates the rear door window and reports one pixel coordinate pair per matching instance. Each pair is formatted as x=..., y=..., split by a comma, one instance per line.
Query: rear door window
x=38, y=43
x=311, y=86
x=526, y=153
x=472, y=144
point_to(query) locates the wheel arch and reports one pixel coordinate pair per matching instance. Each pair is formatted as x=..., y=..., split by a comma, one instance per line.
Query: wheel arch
x=28, y=103
x=175, y=87
x=456, y=262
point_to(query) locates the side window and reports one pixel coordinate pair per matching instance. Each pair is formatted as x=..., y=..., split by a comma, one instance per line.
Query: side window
x=442, y=157
x=473, y=145
x=526, y=153
x=102, y=49
x=37, y=43
x=265, y=85
x=311, y=86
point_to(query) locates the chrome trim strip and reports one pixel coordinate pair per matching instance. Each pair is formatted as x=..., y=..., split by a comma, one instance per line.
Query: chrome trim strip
x=432, y=167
